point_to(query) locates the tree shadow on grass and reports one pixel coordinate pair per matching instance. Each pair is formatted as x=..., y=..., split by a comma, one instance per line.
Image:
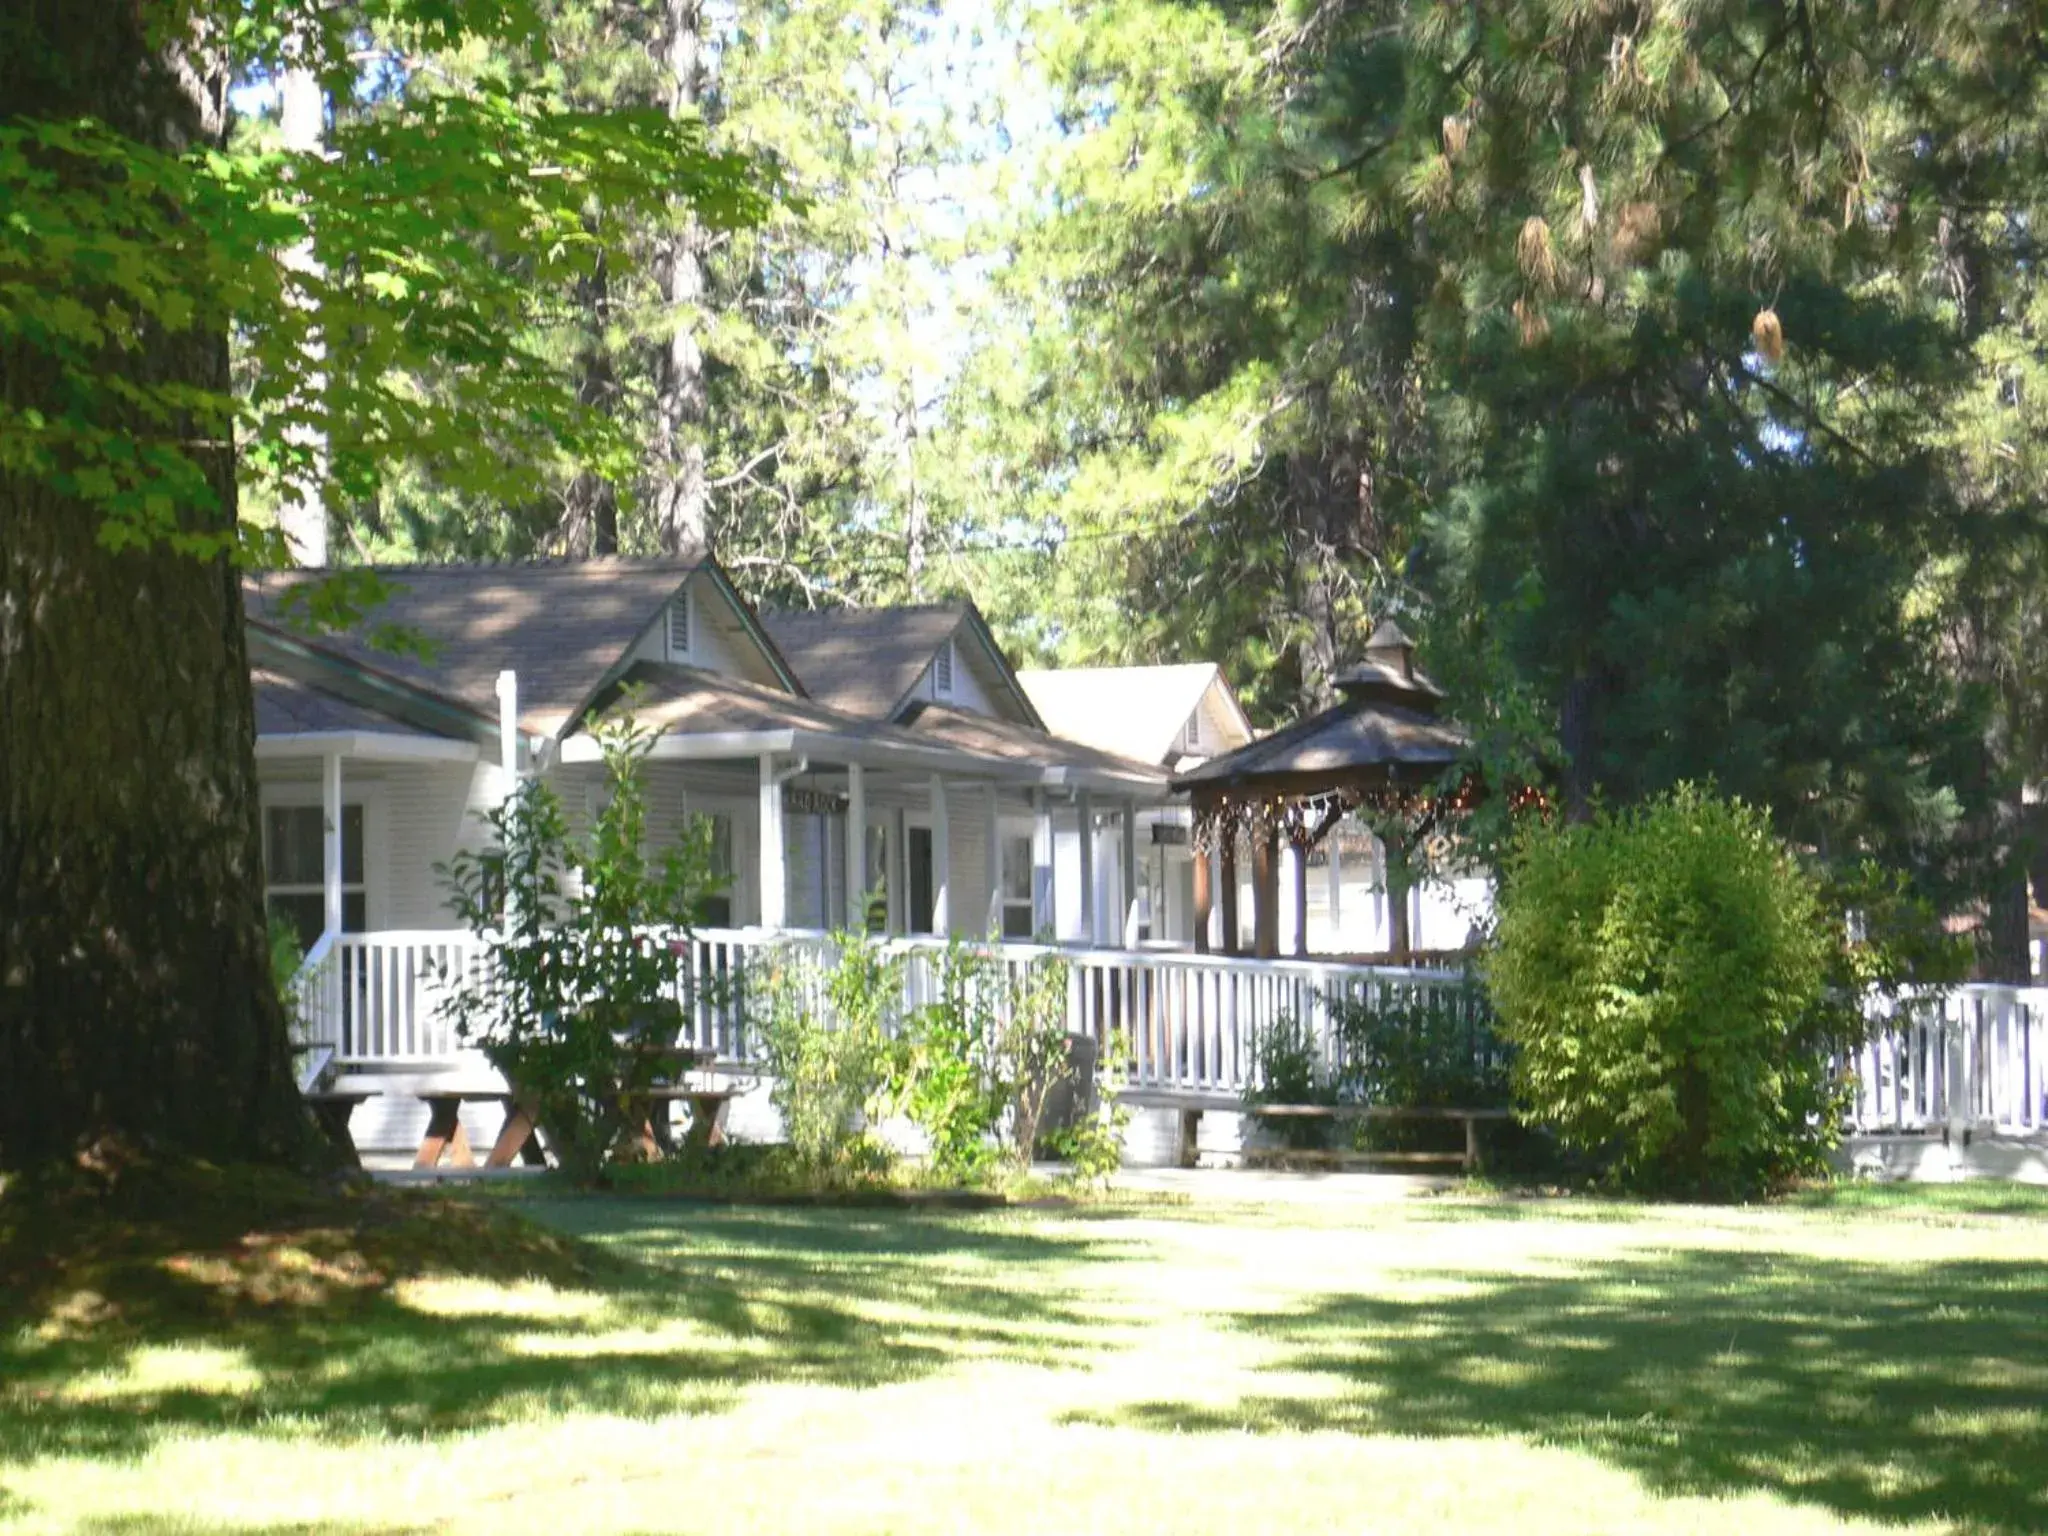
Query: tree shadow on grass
x=1900, y=1393
x=677, y=1313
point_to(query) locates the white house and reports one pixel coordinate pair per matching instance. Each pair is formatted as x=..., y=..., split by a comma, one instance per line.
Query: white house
x=835, y=754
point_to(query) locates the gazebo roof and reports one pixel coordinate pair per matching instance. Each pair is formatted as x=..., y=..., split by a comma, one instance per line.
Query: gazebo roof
x=1383, y=730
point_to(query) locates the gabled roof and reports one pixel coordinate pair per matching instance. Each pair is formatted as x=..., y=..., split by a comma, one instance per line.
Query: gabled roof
x=292, y=706
x=866, y=661
x=1068, y=761
x=322, y=666
x=1356, y=737
x=1135, y=712
x=564, y=626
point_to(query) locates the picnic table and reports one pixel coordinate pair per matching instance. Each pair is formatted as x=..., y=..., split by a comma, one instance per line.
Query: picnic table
x=652, y=1071
x=331, y=1110
x=647, y=1105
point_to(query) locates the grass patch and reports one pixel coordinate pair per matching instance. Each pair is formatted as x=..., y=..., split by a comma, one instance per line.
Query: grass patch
x=273, y=1358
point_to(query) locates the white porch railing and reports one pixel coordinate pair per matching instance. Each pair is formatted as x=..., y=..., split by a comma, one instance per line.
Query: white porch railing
x=1189, y=1020
x=1976, y=1055
x=377, y=997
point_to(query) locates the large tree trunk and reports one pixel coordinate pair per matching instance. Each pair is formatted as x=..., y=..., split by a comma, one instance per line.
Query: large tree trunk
x=682, y=515
x=135, y=991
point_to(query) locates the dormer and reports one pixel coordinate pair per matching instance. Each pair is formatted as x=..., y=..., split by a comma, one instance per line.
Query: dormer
x=704, y=624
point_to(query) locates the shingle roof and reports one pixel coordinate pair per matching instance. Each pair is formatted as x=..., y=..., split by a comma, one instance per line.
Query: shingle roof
x=559, y=625
x=990, y=737
x=862, y=660
x=290, y=706
x=1135, y=712
x=1357, y=736
x=690, y=701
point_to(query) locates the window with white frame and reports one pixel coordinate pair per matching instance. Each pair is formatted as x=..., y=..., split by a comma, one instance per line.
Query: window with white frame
x=942, y=672
x=679, y=626
x=294, y=869
x=1191, y=738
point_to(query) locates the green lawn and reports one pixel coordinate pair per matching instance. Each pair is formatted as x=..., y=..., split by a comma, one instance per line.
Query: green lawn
x=1874, y=1358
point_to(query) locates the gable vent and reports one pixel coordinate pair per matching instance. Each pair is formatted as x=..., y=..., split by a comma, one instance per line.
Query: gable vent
x=942, y=671
x=1192, y=737
x=679, y=627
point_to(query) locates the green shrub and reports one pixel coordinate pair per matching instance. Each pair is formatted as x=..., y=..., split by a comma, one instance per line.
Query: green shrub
x=1287, y=1068
x=974, y=1066
x=1093, y=1145
x=825, y=1038
x=1663, y=975
x=583, y=938
x=1421, y=1048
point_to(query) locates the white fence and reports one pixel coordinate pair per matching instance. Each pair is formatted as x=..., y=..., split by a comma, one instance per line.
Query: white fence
x=1974, y=1055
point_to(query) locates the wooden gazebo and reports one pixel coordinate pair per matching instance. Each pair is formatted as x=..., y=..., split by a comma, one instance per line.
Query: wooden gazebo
x=1381, y=745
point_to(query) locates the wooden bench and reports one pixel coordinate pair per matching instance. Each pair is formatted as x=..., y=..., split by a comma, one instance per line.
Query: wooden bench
x=445, y=1137
x=1471, y=1118
x=331, y=1110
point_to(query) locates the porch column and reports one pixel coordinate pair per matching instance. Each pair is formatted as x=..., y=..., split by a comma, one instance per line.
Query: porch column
x=856, y=848
x=330, y=842
x=1086, y=815
x=1266, y=893
x=899, y=873
x=774, y=882
x=1300, y=874
x=1203, y=900
x=1130, y=880
x=1226, y=858
x=942, y=861
x=1043, y=917
x=992, y=861
x=1336, y=873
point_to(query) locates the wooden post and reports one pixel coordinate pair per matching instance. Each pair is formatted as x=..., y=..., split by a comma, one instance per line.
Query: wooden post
x=1226, y=851
x=1203, y=899
x=1400, y=881
x=1266, y=893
